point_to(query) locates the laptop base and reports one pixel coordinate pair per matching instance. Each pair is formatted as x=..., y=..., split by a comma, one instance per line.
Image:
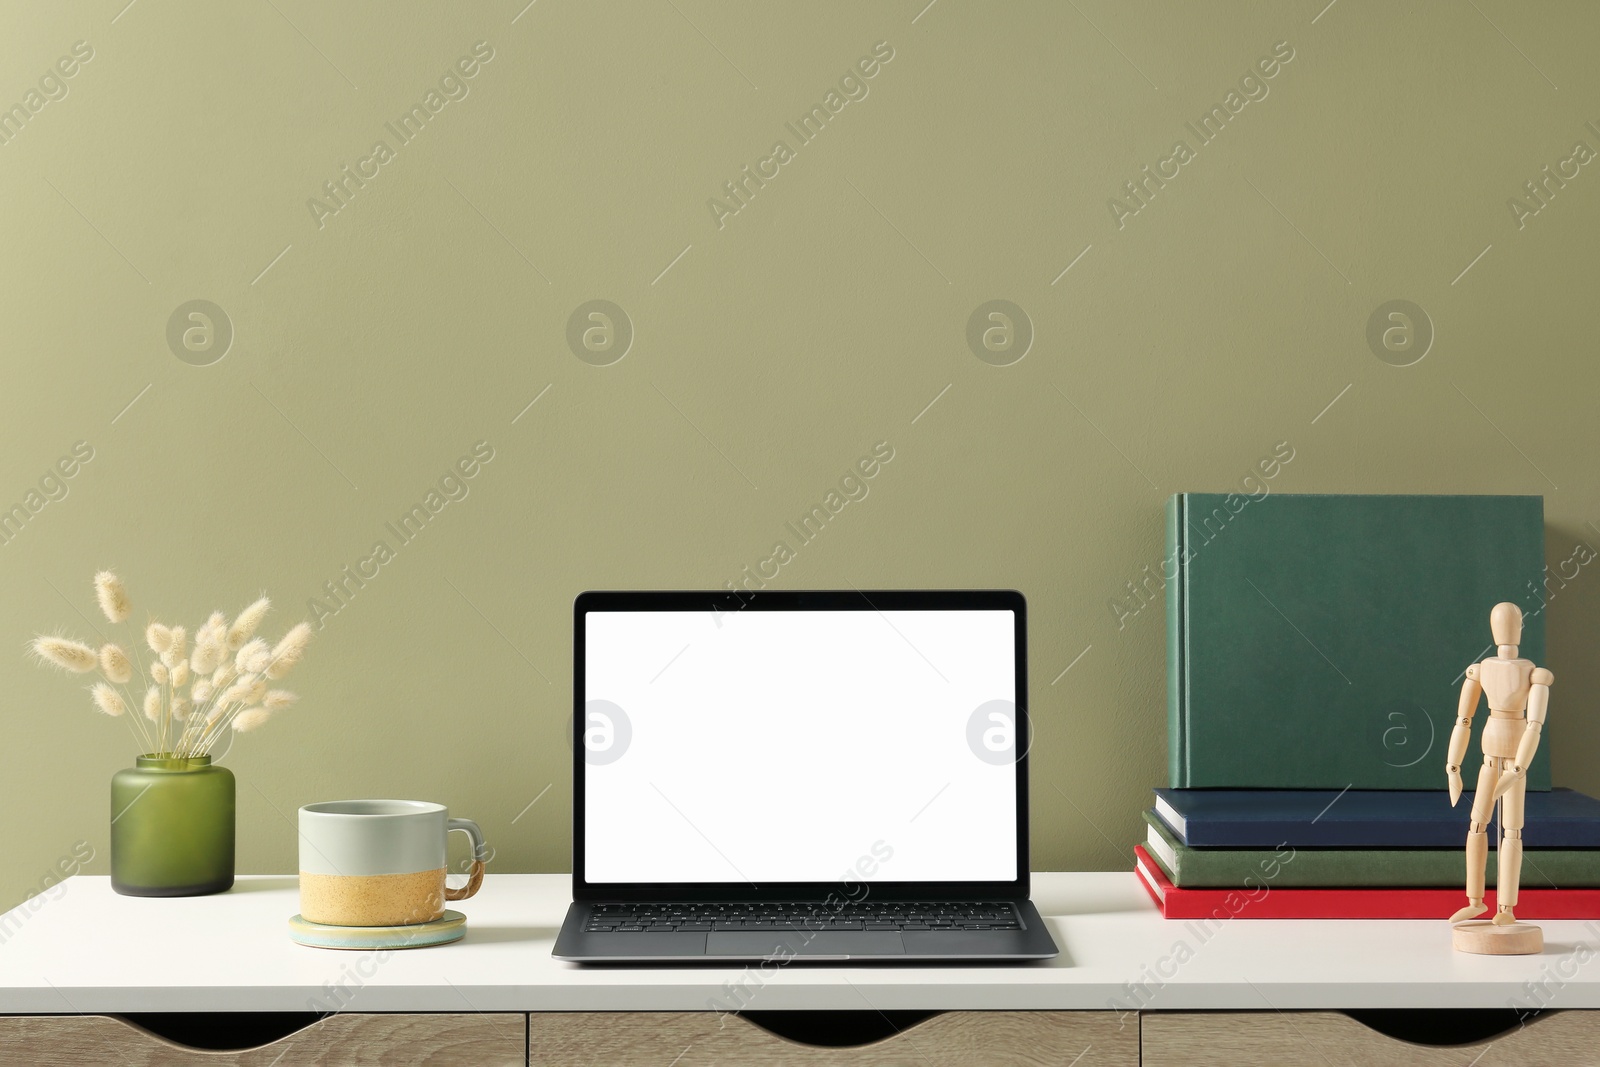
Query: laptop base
x=1031, y=942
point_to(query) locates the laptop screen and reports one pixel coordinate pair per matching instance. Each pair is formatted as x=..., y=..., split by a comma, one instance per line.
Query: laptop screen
x=816, y=746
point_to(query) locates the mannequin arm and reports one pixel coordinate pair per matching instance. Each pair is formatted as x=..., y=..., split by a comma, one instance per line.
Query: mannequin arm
x=1461, y=733
x=1538, y=707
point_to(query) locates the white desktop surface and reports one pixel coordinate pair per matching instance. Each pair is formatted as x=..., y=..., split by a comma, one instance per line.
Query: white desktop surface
x=90, y=950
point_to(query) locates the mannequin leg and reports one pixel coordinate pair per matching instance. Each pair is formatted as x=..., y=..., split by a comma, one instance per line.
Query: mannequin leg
x=1478, y=839
x=1511, y=814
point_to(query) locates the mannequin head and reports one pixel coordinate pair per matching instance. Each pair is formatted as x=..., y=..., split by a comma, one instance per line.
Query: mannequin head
x=1505, y=622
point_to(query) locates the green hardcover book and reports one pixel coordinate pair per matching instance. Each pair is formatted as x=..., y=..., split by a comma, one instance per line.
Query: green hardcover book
x=1318, y=642
x=1202, y=868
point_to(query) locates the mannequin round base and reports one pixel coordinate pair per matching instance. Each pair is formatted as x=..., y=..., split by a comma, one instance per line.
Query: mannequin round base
x=1486, y=939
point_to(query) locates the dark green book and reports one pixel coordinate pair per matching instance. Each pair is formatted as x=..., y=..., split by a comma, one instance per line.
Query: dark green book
x=1200, y=868
x=1318, y=642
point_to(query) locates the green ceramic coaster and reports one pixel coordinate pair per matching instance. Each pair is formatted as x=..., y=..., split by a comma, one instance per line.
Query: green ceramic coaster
x=452, y=926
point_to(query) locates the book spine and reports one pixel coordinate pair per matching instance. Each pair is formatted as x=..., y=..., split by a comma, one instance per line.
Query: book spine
x=1256, y=834
x=1533, y=645
x=1290, y=868
x=1377, y=903
x=1202, y=834
x=1177, y=682
x=1366, y=904
x=1334, y=869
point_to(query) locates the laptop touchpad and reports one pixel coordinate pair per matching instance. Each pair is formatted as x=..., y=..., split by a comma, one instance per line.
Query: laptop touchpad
x=818, y=943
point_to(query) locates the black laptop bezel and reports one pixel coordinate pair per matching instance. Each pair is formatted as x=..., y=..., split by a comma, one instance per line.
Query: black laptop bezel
x=584, y=891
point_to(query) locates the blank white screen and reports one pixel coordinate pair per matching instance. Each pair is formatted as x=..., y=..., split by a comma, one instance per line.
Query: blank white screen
x=798, y=746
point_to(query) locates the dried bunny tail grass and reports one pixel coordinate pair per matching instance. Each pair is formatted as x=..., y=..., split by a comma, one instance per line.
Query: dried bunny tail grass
x=251, y=719
x=278, y=699
x=181, y=707
x=215, y=713
x=63, y=652
x=250, y=650
x=244, y=627
x=152, y=704
x=289, y=650
x=159, y=673
x=247, y=690
x=214, y=631
x=180, y=674
x=214, y=628
x=115, y=665
x=223, y=675
x=158, y=637
x=208, y=653
x=109, y=700
x=113, y=596
x=255, y=656
x=201, y=691
x=180, y=642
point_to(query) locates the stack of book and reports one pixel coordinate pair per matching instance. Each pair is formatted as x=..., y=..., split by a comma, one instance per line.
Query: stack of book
x=1316, y=648
x=1355, y=854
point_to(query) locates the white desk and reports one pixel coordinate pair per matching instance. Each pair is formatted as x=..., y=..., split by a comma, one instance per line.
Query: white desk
x=92, y=951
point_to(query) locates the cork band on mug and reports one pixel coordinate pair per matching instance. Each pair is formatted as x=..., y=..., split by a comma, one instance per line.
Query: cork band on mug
x=372, y=899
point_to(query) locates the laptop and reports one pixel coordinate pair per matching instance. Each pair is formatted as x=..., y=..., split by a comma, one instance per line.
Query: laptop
x=808, y=776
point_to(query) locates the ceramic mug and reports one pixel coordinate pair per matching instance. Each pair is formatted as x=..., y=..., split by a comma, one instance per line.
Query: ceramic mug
x=380, y=862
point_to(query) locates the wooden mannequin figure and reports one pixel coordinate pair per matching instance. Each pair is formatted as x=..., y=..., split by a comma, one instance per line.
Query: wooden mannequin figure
x=1510, y=739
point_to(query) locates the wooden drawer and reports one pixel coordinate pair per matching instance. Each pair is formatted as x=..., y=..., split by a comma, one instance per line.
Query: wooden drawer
x=964, y=1038
x=348, y=1040
x=1318, y=1038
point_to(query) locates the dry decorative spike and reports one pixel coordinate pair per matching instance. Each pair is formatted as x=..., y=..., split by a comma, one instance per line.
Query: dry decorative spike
x=113, y=597
x=229, y=668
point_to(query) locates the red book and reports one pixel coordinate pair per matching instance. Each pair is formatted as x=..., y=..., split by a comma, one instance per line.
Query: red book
x=1265, y=902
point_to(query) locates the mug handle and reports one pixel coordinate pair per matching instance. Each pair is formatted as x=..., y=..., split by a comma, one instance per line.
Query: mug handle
x=480, y=855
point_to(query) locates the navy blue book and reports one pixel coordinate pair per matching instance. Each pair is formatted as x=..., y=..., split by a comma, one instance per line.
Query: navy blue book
x=1363, y=818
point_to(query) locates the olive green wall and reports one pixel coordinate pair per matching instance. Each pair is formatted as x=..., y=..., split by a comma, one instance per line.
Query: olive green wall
x=1176, y=342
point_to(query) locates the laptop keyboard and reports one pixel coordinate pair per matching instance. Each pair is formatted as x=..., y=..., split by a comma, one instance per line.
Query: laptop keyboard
x=802, y=915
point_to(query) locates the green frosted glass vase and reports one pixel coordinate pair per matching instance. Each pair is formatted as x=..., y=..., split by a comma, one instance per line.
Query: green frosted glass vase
x=172, y=828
